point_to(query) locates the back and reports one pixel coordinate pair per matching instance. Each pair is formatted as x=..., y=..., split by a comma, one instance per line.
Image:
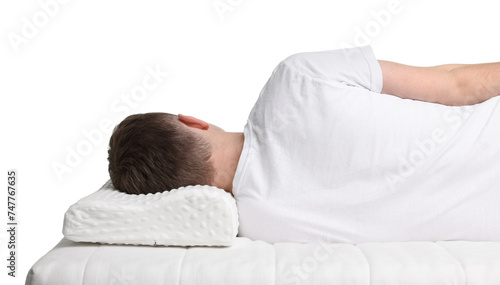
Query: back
x=328, y=158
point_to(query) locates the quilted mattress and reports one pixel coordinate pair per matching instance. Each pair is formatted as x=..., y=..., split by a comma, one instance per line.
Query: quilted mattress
x=257, y=262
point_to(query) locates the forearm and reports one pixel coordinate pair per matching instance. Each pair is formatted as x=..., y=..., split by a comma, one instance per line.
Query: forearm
x=449, y=84
x=478, y=82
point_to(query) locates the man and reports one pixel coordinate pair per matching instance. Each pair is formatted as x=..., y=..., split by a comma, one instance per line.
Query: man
x=328, y=155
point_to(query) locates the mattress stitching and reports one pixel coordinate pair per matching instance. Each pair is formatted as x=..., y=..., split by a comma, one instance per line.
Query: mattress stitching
x=464, y=276
x=275, y=266
x=87, y=262
x=181, y=264
x=367, y=262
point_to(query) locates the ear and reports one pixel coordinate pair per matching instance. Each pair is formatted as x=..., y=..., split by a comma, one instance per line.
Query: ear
x=193, y=122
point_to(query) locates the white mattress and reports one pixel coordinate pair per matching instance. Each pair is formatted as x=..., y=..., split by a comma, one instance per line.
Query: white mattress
x=257, y=262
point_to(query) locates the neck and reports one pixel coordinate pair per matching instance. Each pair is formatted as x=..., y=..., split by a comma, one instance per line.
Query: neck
x=226, y=154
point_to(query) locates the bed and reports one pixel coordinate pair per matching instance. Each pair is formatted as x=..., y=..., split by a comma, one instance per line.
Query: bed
x=189, y=236
x=258, y=262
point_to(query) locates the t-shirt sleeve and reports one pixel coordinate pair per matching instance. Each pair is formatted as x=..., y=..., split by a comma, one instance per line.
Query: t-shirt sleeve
x=351, y=66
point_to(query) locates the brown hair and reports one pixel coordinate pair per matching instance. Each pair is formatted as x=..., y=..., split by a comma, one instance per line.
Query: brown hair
x=154, y=152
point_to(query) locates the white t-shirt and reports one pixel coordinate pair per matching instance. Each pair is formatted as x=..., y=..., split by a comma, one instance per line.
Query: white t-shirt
x=326, y=157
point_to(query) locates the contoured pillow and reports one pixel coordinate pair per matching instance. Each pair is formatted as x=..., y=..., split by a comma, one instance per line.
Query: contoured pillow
x=187, y=216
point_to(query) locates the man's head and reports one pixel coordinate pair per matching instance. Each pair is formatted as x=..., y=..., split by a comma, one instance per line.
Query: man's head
x=154, y=152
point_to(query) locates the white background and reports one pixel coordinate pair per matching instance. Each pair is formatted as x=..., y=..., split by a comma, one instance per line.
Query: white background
x=82, y=62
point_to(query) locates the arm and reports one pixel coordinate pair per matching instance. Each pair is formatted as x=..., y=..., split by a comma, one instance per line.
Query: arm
x=450, y=84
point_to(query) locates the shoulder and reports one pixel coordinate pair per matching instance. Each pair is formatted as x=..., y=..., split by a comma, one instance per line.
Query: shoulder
x=329, y=62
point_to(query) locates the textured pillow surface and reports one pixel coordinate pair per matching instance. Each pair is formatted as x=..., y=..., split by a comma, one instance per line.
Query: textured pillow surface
x=187, y=216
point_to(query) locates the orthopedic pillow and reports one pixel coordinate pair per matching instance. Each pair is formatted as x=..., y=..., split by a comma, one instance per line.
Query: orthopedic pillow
x=187, y=216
